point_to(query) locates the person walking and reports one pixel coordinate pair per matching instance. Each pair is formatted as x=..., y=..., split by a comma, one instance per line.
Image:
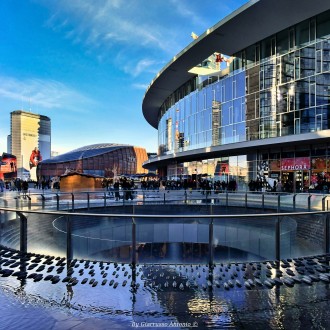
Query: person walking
x=25, y=188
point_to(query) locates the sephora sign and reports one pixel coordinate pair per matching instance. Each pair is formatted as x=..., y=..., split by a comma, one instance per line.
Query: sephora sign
x=295, y=164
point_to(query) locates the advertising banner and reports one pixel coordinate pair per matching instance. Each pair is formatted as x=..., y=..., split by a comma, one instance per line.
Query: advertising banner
x=8, y=166
x=35, y=157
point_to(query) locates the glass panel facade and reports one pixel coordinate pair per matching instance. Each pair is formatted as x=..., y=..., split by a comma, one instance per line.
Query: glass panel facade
x=277, y=87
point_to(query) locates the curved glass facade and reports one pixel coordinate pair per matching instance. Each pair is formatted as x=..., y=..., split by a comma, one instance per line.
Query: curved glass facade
x=277, y=87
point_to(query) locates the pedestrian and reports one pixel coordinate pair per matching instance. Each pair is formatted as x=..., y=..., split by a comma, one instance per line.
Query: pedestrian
x=25, y=187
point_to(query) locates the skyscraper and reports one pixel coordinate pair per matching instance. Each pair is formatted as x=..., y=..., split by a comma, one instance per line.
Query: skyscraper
x=30, y=141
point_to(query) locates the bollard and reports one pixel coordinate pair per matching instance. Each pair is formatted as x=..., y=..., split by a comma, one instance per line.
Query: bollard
x=105, y=200
x=88, y=201
x=279, y=203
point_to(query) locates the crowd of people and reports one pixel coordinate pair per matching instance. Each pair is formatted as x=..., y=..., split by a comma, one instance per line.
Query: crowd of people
x=20, y=185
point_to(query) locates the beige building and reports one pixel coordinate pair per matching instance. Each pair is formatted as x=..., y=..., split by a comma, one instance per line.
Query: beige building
x=30, y=141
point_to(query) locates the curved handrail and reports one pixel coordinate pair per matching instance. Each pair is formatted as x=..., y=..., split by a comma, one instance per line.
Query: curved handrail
x=173, y=216
x=21, y=213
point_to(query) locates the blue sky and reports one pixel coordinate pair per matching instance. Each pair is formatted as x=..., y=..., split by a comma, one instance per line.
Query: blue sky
x=86, y=63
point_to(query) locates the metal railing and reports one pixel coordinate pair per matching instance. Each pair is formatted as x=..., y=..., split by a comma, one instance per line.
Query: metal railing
x=78, y=200
x=274, y=236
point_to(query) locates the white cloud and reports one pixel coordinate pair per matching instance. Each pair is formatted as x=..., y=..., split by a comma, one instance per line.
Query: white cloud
x=184, y=9
x=44, y=94
x=117, y=21
x=144, y=65
x=140, y=86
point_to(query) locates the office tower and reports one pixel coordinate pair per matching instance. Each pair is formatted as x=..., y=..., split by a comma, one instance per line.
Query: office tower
x=30, y=141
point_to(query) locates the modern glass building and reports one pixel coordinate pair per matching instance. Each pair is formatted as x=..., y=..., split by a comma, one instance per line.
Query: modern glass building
x=104, y=159
x=264, y=114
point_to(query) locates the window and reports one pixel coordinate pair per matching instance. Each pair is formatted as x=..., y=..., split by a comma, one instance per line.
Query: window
x=297, y=67
x=257, y=54
x=297, y=126
x=292, y=39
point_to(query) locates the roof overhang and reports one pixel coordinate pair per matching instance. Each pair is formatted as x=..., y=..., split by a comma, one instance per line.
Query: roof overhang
x=254, y=21
x=238, y=148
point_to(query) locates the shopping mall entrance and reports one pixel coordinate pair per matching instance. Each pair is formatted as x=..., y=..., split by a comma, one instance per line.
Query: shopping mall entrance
x=296, y=181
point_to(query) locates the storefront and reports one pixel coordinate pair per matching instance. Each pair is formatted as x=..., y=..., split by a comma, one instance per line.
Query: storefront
x=293, y=173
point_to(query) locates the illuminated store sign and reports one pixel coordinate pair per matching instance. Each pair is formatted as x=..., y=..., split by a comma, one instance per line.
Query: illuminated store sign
x=295, y=164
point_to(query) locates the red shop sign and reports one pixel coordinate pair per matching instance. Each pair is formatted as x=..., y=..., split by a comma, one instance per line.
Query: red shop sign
x=295, y=164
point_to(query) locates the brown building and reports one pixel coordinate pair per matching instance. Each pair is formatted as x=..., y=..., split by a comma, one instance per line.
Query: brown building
x=73, y=181
x=106, y=160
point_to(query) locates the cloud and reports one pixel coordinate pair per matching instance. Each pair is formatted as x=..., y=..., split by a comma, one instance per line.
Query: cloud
x=185, y=10
x=142, y=66
x=45, y=94
x=108, y=22
x=140, y=86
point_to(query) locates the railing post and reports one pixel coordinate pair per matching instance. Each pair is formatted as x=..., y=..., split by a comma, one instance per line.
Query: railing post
x=29, y=202
x=309, y=203
x=72, y=199
x=105, y=200
x=323, y=203
x=88, y=201
x=263, y=200
x=133, y=242
x=211, y=245
x=164, y=199
x=294, y=201
x=57, y=202
x=69, y=254
x=279, y=203
x=278, y=239
x=23, y=232
x=143, y=197
x=226, y=198
x=246, y=200
x=326, y=229
x=185, y=196
x=43, y=201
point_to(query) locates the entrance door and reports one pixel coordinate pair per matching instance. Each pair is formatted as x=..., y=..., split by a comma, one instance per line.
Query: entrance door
x=298, y=181
x=301, y=181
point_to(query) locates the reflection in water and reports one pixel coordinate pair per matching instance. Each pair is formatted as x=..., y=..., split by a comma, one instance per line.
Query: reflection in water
x=222, y=296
